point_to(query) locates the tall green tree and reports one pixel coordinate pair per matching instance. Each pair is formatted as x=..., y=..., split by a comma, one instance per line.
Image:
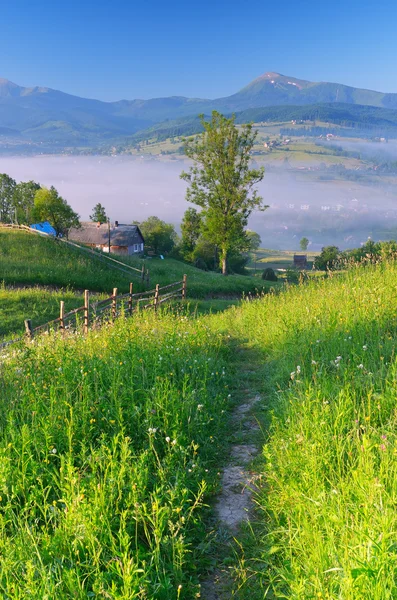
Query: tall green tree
x=222, y=183
x=99, y=214
x=254, y=240
x=191, y=231
x=23, y=201
x=159, y=236
x=50, y=206
x=304, y=243
x=7, y=190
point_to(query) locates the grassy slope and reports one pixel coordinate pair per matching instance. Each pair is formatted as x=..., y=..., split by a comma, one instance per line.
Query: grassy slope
x=108, y=445
x=27, y=259
x=326, y=509
x=79, y=416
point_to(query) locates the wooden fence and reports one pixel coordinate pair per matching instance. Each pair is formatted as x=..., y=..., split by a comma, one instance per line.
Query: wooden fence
x=93, y=314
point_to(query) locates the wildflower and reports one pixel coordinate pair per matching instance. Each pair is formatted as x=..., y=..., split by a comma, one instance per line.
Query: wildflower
x=314, y=362
x=360, y=366
x=152, y=430
x=382, y=447
x=173, y=442
x=298, y=369
x=168, y=439
x=199, y=406
x=54, y=451
x=365, y=347
x=292, y=375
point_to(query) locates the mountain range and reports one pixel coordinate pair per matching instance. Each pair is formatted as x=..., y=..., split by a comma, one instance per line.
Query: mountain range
x=44, y=115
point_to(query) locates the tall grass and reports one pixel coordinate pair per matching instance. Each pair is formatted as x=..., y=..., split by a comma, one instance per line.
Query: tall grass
x=108, y=446
x=38, y=304
x=326, y=520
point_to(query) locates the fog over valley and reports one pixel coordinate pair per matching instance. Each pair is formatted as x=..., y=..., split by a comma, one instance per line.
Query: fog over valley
x=303, y=200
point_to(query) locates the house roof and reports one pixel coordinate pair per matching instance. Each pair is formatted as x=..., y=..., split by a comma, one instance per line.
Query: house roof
x=92, y=233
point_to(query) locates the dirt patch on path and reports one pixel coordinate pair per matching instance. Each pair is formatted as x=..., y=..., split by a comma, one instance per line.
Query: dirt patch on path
x=234, y=503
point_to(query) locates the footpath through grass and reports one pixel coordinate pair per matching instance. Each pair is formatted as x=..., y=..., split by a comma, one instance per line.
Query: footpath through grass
x=108, y=446
x=326, y=521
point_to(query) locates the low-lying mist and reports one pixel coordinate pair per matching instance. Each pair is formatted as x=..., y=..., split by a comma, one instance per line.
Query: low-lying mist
x=303, y=201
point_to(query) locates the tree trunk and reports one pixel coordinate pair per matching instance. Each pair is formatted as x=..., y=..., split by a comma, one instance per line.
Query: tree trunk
x=224, y=263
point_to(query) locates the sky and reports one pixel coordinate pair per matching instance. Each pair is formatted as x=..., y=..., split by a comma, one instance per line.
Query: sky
x=124, y=49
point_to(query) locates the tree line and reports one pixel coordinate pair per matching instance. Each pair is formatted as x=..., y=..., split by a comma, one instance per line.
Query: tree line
x=25, y=202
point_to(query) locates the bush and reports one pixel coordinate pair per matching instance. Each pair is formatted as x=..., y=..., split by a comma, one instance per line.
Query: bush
x=269, y=275
x=328, y=259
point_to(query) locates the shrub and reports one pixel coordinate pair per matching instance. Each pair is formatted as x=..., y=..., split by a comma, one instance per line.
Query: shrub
x=269, y=275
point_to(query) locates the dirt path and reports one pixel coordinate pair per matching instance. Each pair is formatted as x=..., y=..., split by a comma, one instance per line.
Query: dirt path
x=233, y=505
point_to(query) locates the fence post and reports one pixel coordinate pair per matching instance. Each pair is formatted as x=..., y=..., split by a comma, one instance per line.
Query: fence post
x=62, y=316
x=28, y=329
x=86, y=310
x=130, y=299
x=143, y=272
x=156, y=297
x=184, y=287
x=147, y=276
x=114, y=304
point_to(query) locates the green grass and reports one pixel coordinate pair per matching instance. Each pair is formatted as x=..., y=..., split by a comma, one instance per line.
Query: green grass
x=29, y=259
x=326, y=519
x=109, y=449
x=37, y=304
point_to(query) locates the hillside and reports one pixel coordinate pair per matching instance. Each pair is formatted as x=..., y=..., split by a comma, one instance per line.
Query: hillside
x=57, y=120
x=154, y=403
x=325, y=367
x=37, y=272
x=354, y=117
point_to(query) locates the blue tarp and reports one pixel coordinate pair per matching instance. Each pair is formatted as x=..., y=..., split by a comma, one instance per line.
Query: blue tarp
x=44, y=227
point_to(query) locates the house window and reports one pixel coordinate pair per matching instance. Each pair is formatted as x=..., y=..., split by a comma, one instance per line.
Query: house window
x=135, y=247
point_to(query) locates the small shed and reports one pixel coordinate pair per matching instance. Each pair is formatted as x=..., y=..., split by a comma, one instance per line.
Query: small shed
x=122, y=239
x=300, y=261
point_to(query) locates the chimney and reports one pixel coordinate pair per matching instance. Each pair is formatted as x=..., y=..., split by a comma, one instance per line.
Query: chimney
x=116, y=223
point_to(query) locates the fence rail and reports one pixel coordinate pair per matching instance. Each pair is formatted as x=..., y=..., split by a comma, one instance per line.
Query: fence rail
x=106, y=310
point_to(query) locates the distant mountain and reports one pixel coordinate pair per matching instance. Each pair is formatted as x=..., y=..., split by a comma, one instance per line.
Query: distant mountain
x=365, y=120
x=48, y=116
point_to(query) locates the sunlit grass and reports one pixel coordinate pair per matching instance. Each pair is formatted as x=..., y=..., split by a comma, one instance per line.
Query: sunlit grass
x=326, y=518
x=109, y=445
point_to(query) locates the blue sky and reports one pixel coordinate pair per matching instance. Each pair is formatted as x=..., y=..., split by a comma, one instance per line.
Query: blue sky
x=126, y=49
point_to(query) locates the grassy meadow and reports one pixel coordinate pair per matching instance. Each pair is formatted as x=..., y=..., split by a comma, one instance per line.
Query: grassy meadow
x=30, y=259
x=109, y=446
x=326, y=506
x=112, y=445
x=36, y=303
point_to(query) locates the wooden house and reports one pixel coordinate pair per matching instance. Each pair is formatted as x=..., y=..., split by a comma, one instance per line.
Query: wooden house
x=300, y=261
x=116, y=238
